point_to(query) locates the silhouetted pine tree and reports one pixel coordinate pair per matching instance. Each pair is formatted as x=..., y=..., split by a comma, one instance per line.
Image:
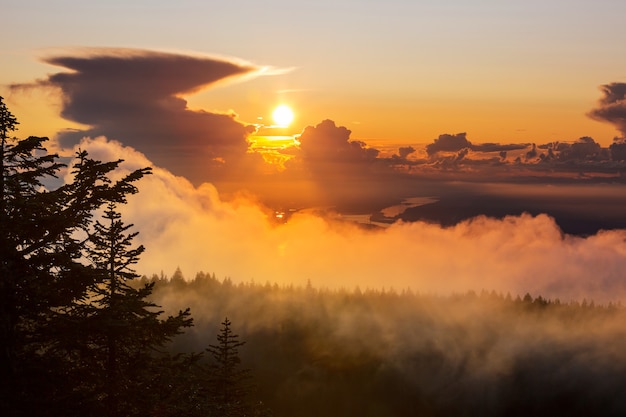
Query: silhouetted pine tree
x=44, y=281
x=228, y=383
x=26, y=214
x=124, y=333
x=40, y=275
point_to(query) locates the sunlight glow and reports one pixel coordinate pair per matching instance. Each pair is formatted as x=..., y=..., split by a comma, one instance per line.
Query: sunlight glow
x=282, y=115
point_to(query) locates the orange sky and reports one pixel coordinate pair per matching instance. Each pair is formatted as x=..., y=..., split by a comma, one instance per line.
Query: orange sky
x=419, y=117
x=377, y=120
x=396, y=72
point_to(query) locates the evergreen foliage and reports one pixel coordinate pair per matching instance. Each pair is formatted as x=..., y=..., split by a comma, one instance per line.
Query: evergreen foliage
x=124, y=332
x=371, y=352
x=228, y=382
x=75, y=339
x=40, y=274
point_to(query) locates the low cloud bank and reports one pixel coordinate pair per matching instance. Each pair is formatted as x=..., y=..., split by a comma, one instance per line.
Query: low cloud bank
x=192, y=228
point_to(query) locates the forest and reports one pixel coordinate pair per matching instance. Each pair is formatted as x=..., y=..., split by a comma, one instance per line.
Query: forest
x=82, y=334
x=321, y=352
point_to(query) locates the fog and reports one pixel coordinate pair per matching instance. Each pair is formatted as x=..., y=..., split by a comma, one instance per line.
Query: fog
x=336, y=353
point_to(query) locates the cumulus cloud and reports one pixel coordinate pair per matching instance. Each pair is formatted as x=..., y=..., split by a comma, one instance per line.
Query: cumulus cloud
x=192, y=228
x=134, y=96
x=618, y=149
x=585, y=148
x=327, y=143
x=405, y=151
x=448, y=143
x=612, y=106
x=456, y=152
x=347, y=172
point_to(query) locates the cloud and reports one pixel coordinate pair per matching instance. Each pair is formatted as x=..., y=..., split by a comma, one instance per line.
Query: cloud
x=135, y=96
x=498, y=147
x=618, y=149
x=448, y=143
x=347, y=172
x=327, y=143
x=585, y=148
x=194, y=229
x=405, y=151
x=454, y=157
x=460, y=145
x=612, y=107
x=532, y=153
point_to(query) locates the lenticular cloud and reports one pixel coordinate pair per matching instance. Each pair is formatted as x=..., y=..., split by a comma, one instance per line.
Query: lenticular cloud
x=135, y=96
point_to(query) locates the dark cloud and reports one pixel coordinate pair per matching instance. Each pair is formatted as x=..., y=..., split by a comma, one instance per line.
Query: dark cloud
x=498, y=147
x=448, y=143
x=584, y=149
x=461, y=154
x=553, y=162
x=618, y=149
x=532, y=153
x=612, y=107
x=346, y=172
x=405, y=151
x=458, y=142
x=326, y=152
x=134, y=96
x=328, y=143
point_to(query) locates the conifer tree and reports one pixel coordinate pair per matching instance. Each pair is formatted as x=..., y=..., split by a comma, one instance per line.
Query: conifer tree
x=228, y=382
x=35, y=254
x=124, y=329
x=43, y=279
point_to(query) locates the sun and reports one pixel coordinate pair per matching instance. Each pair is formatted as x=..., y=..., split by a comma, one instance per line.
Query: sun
x=282, y=115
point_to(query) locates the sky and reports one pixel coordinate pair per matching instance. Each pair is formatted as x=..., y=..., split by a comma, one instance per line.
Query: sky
x=395, y=71
x=506, y=118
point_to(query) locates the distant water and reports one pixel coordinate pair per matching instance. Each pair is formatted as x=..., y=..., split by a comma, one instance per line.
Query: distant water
x=388, y=214
x=407, y=203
